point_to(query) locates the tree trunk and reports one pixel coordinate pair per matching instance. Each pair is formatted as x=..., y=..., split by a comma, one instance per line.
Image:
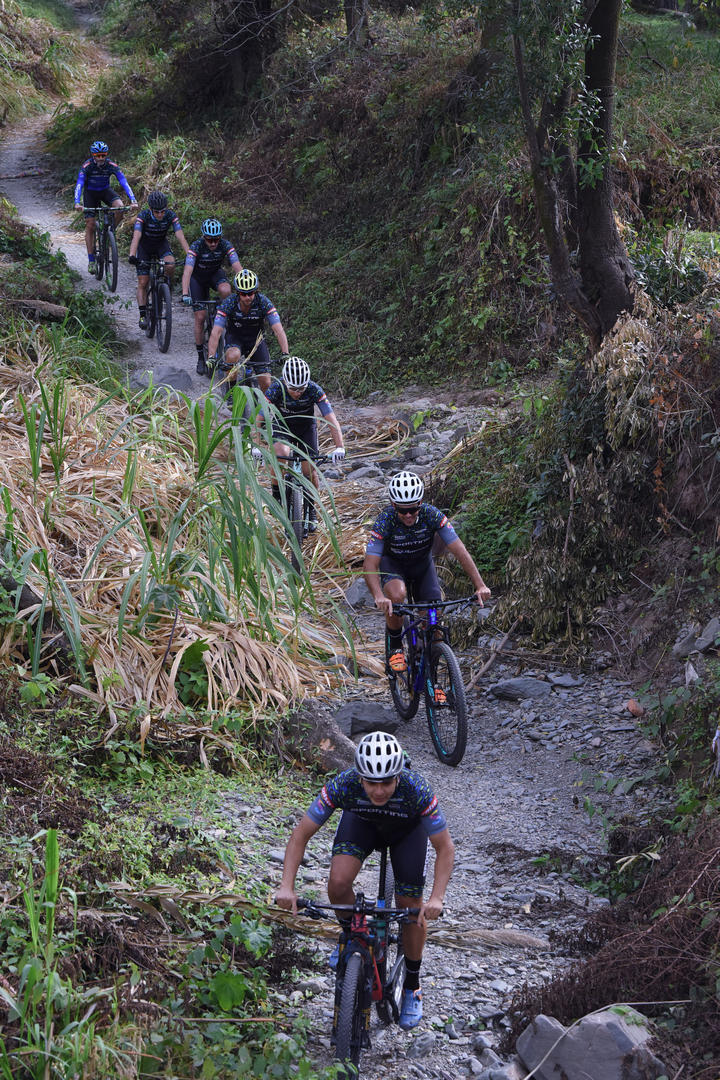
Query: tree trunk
x=356, y=22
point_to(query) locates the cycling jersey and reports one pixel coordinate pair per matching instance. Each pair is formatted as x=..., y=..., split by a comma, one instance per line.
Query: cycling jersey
x=95, y=177
x=153, y=229
x=303, y=406
x=412, y=803
x=207, y=261
x=243, y=329
x=409, y=544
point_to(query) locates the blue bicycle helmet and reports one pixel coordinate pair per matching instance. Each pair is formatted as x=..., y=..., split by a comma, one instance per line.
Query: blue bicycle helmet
x=211, y=227
x=99, y=147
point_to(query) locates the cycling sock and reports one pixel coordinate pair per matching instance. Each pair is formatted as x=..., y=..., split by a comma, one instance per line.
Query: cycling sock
x=395, y=640
x=91, y=257
x=142, y=308
x=200, y=349
x=276, y=494
x=412, y=976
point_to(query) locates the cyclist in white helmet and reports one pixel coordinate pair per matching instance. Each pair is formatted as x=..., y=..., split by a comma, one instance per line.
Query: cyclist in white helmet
x=383, y=802
x=295, y=396
x=399, y=556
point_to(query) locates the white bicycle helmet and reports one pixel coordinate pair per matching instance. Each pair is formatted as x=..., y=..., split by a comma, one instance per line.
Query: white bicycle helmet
x=295, y=373
x=378, y=756
x=406, y=488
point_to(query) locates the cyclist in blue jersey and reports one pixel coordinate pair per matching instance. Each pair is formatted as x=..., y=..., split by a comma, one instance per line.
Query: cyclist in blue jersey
x=92, y=189
x=295, y=396
x=383, y=803
x=204, y=270
x=399, y=556
x=149, y=238
x=242, y=317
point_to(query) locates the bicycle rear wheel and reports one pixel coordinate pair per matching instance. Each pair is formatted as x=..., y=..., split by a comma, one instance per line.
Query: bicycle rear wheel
x=351, y=1018
x=445, y=704
x=163, y=319
x=402, y=683
x=111, y=261
x=151, y=310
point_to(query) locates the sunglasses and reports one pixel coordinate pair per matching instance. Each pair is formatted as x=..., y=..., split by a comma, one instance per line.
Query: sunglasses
x=212, y=239
x=403, y=510
x=379, y=783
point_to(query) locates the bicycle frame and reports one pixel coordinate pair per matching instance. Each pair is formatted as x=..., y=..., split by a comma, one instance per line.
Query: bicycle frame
x=422, y=631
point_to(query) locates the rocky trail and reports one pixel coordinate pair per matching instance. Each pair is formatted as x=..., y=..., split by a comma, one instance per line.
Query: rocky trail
x=551, y=751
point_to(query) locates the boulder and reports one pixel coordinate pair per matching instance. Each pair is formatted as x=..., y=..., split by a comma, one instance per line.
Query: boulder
x=360, y=717
x=710, y=634
x=524, y=686
x=314, y=737
x=357, y=595
x=609, y=1045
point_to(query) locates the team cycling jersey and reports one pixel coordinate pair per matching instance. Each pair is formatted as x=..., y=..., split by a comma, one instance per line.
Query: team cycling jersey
x=409, y=543
x=94, y=177
x=207, y=261
x=156, y=229
x=303, y=406
x=412, y=803
x=243, y=329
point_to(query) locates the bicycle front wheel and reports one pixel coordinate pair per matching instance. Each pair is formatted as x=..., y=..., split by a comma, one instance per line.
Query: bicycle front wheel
x=295, y=513
x=151, y=310
x=445, y=704
x=406, y=698
x=163, y=320
x=351, y=1017
x=111, y=261
x=99, y=252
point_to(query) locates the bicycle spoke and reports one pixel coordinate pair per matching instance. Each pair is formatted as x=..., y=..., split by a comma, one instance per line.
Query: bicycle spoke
x=445, y=704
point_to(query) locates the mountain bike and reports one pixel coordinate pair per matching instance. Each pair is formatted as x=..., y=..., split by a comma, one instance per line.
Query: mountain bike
x=299, y=498
x=209, y=307
x=106, y=252
x=371, y=967
x=431, y=668
x=158, y=314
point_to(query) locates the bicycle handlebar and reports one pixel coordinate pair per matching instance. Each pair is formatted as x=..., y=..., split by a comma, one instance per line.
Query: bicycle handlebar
x=313, y=910
x=409, y=609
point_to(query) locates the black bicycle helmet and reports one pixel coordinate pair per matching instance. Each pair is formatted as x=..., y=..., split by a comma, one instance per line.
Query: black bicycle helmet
x=157, y=201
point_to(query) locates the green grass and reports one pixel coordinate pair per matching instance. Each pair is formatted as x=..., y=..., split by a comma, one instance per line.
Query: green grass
x=52, y=11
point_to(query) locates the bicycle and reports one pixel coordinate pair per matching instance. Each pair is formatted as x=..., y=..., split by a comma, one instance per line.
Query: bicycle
x=209, y=307
x=371, y=967
x=299, y=498
x=106, y=252
x=158, y=313
x=431, y=668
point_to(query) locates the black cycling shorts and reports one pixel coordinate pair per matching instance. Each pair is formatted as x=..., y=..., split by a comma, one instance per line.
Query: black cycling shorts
x=407, y=844
x=145, y=252
x=421, y=581
x=300, y=431
x=260, y=359
x=94, y=199
x=200, y=284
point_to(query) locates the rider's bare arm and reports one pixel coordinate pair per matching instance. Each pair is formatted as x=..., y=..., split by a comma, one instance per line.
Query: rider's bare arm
x=444, y=859
x=180, y=235
x=335, y=429
x=463, y=556
x=285, y=895
x=371, y=573
x=281, y=337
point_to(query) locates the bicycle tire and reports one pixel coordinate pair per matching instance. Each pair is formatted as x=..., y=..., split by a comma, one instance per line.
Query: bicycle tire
x=99, y=252
x=447, y=721
x=111, y=261
x=295, y=513
x=394, y=952
x=350, y=1021
x=406, y=698
x=150, y=309
x=163, y=318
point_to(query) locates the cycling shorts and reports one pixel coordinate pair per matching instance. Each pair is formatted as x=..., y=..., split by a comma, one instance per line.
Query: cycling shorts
x=421, y=581
x=146, y=251
x=260, y=359
x=300, y=431
x=94, y=199
x=407, y=844
x=200, y=284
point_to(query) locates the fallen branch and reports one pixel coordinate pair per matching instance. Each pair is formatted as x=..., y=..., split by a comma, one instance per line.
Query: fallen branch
x=494, y=653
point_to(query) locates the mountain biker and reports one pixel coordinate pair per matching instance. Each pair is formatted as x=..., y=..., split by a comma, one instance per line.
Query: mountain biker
x=203, y=269
x=150, y=238
x=399, y=556
x=295, y=396
x=383, y=803
x=242, y=317
x=92, y=189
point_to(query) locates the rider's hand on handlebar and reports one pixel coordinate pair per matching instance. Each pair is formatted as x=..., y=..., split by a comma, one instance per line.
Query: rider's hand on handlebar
x=432, y=909
x=187, y=299
x=384, y=603
x=133, y=260
x=337, y=455
x=256, y=453
x=482, y=594
x=78, y=206
x=286, y=898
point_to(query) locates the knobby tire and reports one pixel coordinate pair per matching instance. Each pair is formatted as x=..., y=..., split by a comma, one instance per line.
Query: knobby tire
x=111, y=261
x=99, y=253
x=295, y=513
x=402, y=684
x=448, y=723
x=350, y=1022
x=150, y=310
x=393, y=952
x=163, y=325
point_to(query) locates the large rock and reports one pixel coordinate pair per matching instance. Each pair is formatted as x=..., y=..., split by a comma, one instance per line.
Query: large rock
x=314, y=737
x=525, y=686
x=357, y=595
x=610, y=1045
x=359, y=717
